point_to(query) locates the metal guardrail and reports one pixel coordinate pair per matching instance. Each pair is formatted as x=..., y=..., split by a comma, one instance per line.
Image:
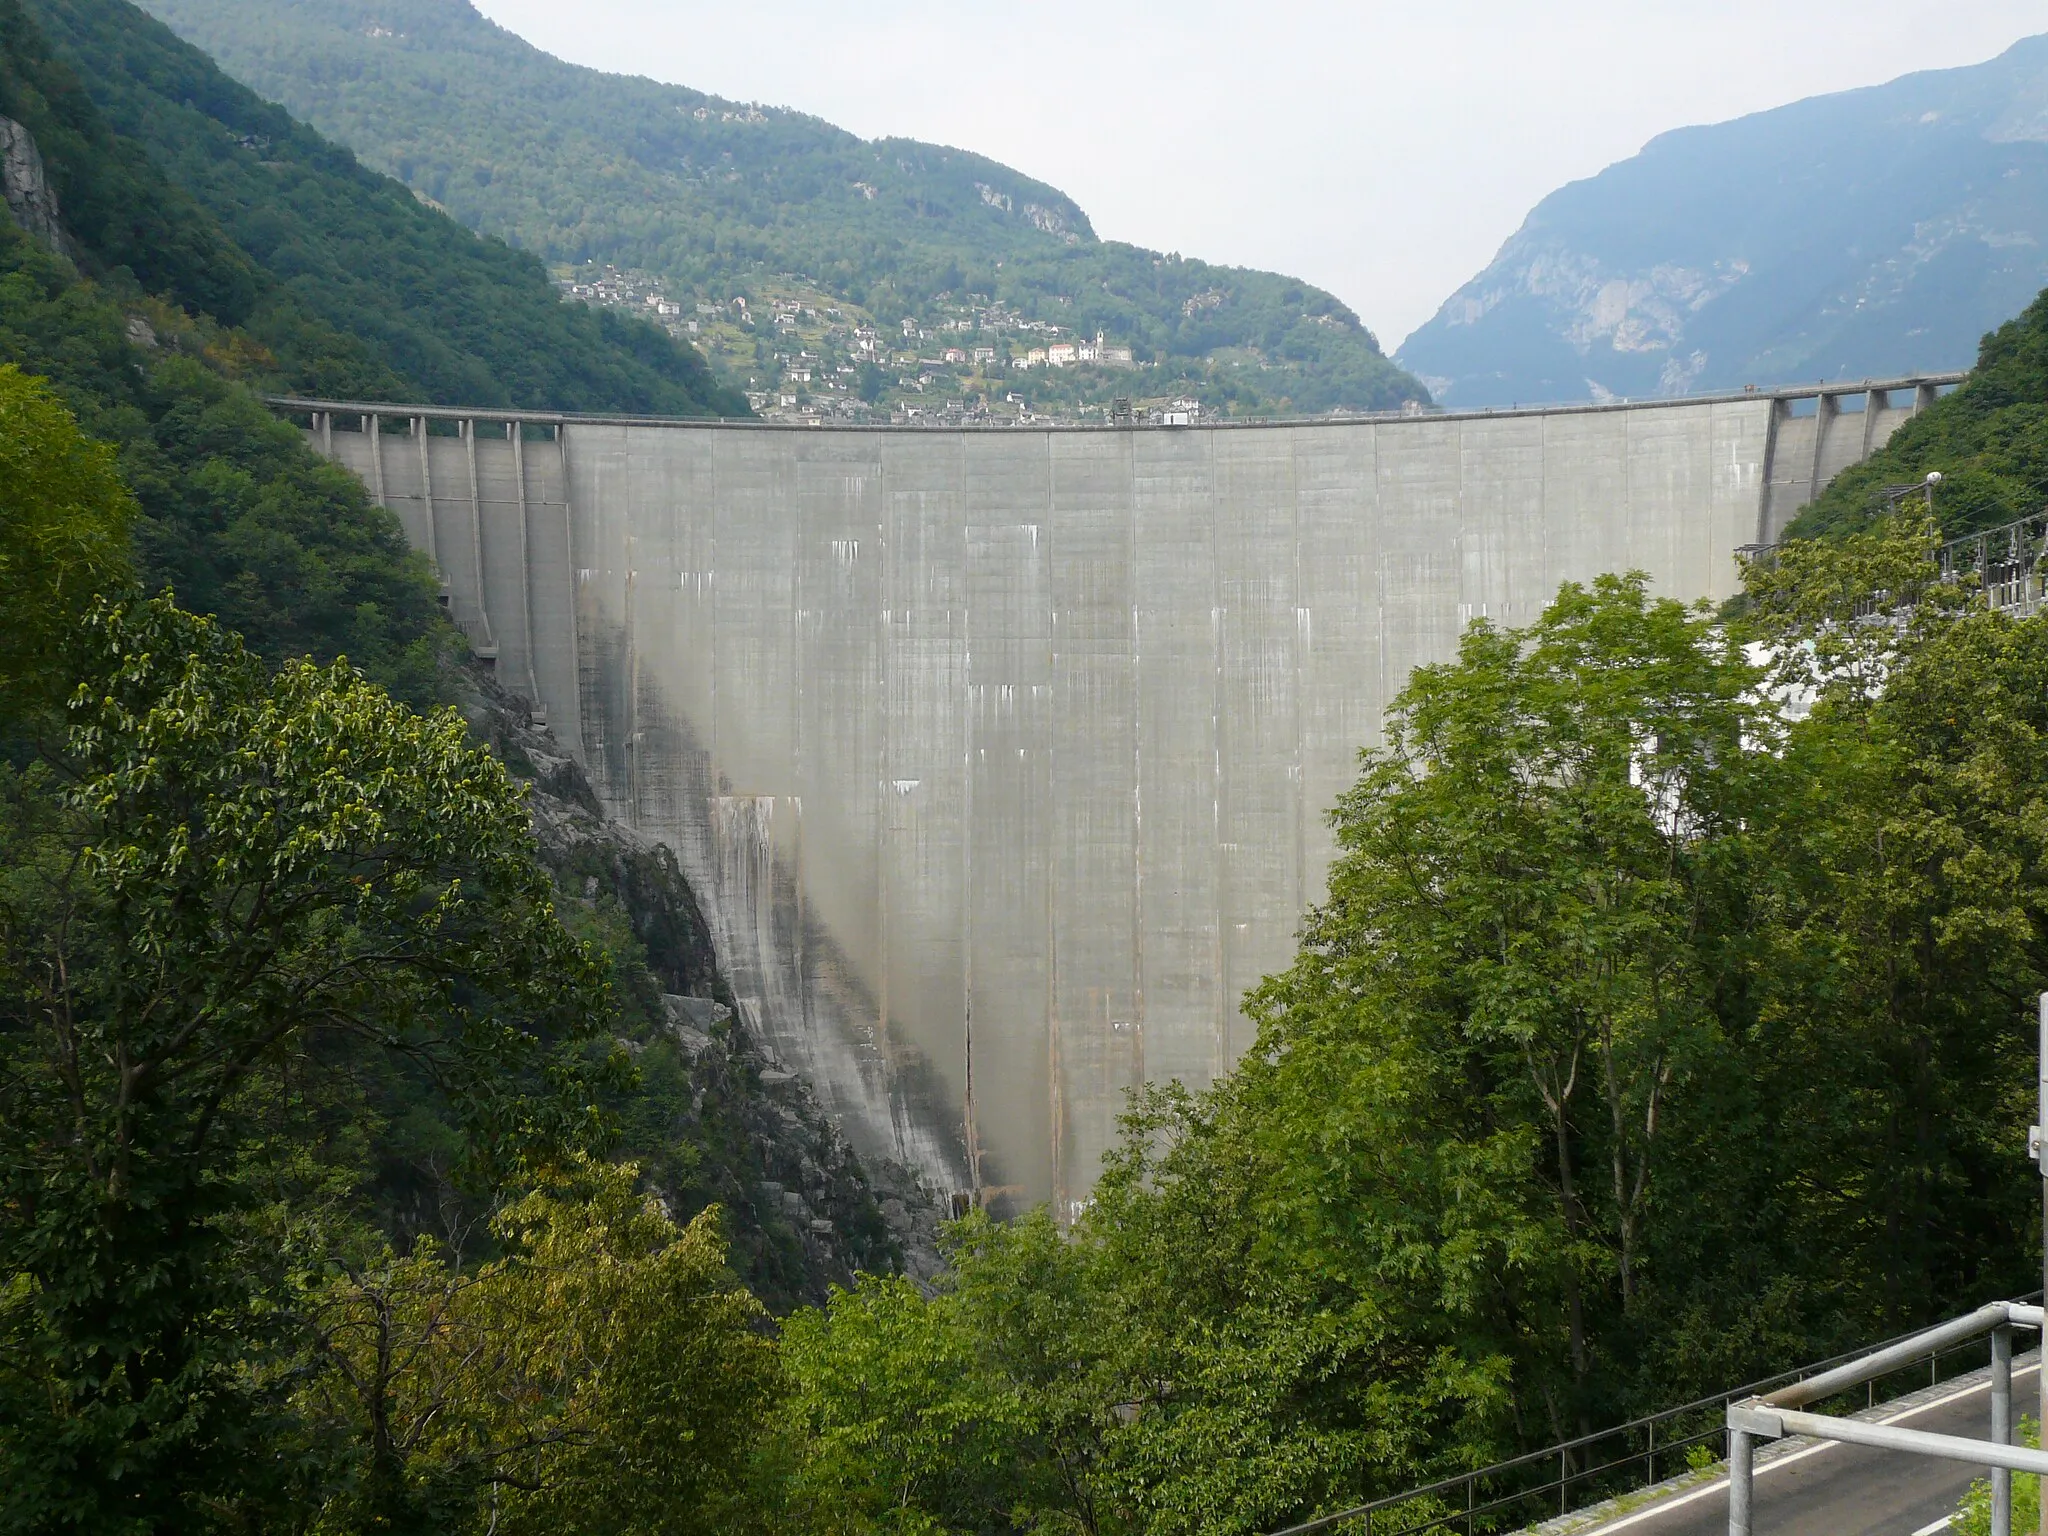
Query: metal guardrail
x=2006, y=563
x=1774, y=1415
x=1574, y=1474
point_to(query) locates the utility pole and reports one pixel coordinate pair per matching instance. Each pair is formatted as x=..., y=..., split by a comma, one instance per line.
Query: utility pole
x=2041, y=1157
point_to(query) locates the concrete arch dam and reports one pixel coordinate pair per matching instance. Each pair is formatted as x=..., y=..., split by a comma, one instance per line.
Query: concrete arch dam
x=1000, y=757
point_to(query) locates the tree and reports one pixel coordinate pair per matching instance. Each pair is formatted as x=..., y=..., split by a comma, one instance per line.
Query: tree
x=605, y=1376
x=899, y=1428
x=224, y=872
x=1513, y=931
x=64, y=522
x=1908, y=931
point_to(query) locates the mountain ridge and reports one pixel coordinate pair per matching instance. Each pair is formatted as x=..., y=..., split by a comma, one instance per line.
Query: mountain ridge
x=713, y=196
x=1871, y=232
x=454, y=316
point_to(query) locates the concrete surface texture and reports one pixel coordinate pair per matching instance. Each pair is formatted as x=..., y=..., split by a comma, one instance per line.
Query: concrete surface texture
x=1001, y=758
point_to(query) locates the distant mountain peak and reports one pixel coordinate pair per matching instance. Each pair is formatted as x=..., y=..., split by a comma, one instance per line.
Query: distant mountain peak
x=1869, y=232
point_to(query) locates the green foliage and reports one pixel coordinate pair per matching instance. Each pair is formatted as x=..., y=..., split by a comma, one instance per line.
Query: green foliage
x=1649, y=1039
x=227, y=873
x=604, y=1376
x=710, y=194
x=1973, y=1515
x=221, y=204
x=1906, y=937
x=238, y=516
x=1124, y=1377
x=1989, y=440
x=962, y=1411
x=64, y=521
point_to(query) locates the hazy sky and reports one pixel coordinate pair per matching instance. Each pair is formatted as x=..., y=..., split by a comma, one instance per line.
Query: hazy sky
x=1383, y=151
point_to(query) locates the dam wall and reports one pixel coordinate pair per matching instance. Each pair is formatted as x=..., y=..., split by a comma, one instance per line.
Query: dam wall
x=1000, y=757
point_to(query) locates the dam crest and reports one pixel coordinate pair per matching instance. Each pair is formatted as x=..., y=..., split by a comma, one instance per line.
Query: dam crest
x=999, y=758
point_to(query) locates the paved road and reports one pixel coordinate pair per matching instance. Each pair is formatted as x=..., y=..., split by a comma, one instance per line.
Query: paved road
x=1824, y=1489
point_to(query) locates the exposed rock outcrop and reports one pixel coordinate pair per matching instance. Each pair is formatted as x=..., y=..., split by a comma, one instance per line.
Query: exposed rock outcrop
x=1874, y=233
x=31, y=200
x=720, y=1118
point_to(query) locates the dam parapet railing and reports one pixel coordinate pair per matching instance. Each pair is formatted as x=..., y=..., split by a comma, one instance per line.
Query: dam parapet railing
x=1827, y=395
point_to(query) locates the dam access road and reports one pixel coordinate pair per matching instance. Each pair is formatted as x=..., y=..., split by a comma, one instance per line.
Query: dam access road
x=1000, y=757
x=1822, y=1488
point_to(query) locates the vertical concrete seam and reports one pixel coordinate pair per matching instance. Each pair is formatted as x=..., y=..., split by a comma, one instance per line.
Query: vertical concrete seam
x=967, y=938
x=574, y=724
x=1055, y=1065
x=1219, y=949
x=1823, y=413
x=884, y=831
x=1137, y=746
x=631, y=552
x=1768, y=526
x=1304, y=636
x=376, y=424
x=516, y=433
x=476, y=541
x=419, y=432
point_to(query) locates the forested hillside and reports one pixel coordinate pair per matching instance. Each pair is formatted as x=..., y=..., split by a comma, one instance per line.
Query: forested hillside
x=714, y=196
x=351, y=284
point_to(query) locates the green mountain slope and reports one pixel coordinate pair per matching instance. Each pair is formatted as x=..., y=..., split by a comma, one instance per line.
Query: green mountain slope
x=320, y=242
x=148, y=328
x=710, y=196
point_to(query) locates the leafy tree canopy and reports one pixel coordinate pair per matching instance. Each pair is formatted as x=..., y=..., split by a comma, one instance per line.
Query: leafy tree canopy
x=227, y=874
x=64, y=524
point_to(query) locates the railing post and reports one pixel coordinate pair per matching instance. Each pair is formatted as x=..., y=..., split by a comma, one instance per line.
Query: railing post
x=2041, y=1118
x=1741, y=1475
x=2001, y=1428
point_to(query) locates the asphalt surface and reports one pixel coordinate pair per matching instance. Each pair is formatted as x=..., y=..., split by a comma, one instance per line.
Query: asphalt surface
x=1819, y=1488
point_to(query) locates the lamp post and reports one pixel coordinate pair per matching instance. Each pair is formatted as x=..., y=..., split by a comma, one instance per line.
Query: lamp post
x=1895, y=494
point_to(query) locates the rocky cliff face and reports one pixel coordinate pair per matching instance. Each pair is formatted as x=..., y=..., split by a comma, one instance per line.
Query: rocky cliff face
x=1869, y=234
x=25, y=186
x=717, y=1119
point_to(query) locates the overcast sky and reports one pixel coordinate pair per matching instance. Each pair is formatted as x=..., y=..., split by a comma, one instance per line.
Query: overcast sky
x=1382, y=151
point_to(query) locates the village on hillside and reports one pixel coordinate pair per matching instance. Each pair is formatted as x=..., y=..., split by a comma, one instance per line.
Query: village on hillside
x=802, y=356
